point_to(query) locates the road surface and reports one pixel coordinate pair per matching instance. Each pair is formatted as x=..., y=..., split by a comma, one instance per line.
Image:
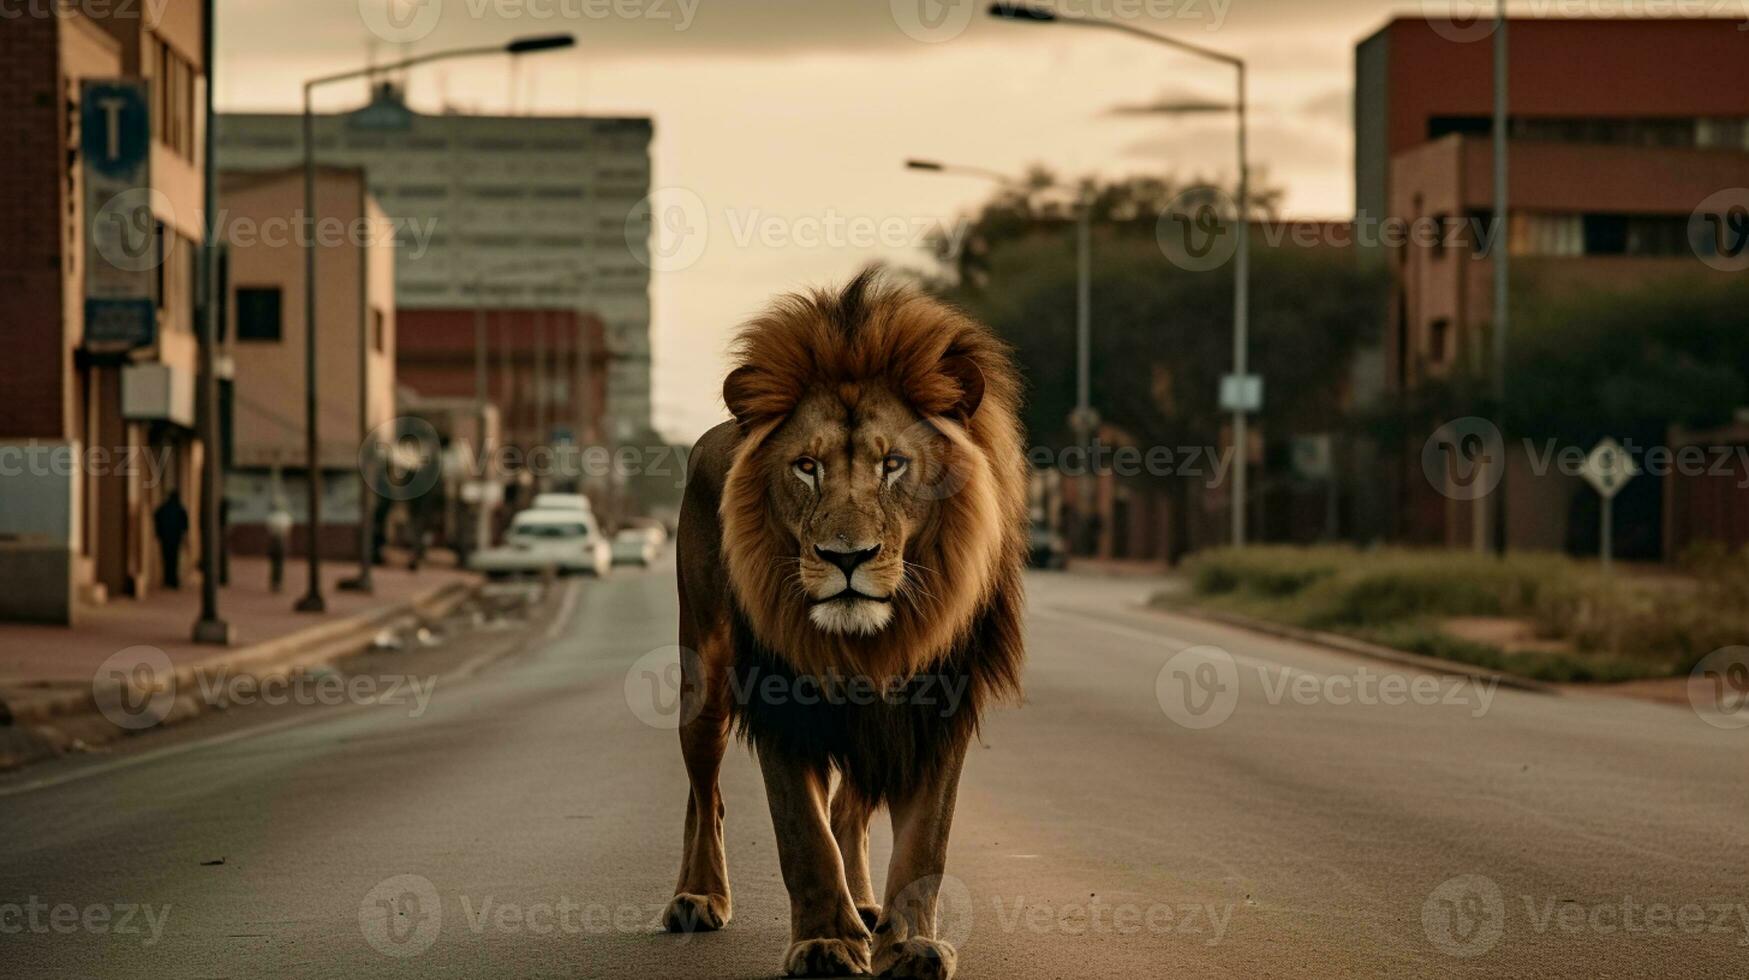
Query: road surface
x=1176, y=799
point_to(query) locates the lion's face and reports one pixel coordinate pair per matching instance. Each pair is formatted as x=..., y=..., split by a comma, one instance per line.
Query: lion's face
x=848, y=476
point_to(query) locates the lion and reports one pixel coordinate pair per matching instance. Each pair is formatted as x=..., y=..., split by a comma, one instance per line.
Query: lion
x=850, y=553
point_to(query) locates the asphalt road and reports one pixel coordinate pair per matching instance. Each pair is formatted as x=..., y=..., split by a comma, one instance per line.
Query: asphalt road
x=1264, y=809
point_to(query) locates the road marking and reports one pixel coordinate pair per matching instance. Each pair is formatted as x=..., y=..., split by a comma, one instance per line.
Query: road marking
x=1176, y=644
x=175, y=750
x=565, y=609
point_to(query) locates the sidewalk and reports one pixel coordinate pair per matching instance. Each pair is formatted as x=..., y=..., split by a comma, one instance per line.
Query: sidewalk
x=61, y=690
x=1120, y=567
x=32, y=655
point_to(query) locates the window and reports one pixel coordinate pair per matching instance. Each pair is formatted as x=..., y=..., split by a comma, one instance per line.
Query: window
x=159, y=240
x=259, y=309
x=1730, y=133
x=1606, y=234
x=1546, y=234
x=1438, y=126
x=1442, y=229
x=1658, y=234
x=1439, y=340
x=500, y=192
x=175, y=92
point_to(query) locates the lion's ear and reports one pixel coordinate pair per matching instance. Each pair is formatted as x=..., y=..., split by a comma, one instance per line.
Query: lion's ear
x=970, y=378
x=740, y=392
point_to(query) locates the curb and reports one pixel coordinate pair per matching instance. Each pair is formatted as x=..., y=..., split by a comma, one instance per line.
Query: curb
x=46, y=719
x=1361, y=648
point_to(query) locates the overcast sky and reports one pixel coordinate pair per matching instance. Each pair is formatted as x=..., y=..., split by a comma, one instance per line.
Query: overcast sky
x=782, y=125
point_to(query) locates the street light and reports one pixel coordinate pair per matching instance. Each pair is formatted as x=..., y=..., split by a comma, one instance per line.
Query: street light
x=312, y=600
x=1085, y=422
x=1242, y=265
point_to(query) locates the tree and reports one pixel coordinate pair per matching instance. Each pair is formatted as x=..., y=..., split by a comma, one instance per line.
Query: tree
x=1162, y=335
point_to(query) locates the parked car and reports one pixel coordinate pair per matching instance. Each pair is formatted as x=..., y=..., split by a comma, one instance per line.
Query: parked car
x=655, y=528
x=562, y=501
x=636, y=546
x=561, y=540
x=1047, y=548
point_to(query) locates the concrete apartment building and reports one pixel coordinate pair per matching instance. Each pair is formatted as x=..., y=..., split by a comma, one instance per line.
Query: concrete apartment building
x=508, y=197
x=1620, y=131
x=264, y=338
x=101, y=224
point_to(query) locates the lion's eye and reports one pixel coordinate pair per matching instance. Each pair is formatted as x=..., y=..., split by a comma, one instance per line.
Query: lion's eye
x=807, y=468
x=893, y=465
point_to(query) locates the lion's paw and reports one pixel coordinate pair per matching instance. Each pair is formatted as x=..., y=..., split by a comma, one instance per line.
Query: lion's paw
x=826, y=958
x=917, y=957
x=696, y=913
x=871, y=914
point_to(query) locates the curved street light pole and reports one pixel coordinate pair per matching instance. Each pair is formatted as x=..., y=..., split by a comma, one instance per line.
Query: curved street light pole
x=312, y=600
x=1242, y=257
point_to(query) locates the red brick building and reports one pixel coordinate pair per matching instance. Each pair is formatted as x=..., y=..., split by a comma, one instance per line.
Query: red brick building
x=546, y=369
x=1622, y=131
x=94, y=439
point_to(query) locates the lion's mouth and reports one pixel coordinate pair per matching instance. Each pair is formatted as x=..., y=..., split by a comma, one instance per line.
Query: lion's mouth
x=850, y=595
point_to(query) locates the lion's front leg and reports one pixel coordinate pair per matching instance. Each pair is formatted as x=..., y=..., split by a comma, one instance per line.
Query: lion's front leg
x=905, y=943
x=827, y=937
x=850, y=816
x=701, y=900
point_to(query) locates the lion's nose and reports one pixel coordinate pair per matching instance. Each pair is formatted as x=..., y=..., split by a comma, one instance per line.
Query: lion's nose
x=846, y=560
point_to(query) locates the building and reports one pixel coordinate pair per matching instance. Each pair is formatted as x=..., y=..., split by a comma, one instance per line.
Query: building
x=264, y=339
x=546, y=378
x=546, y=369
x=101, y=208
x=483, y=197
x=1620, y=133
x=1617, y=81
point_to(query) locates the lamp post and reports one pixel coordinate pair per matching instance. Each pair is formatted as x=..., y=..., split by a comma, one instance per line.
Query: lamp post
x=312, y=600
x=1084, y=421
x=1242, y=257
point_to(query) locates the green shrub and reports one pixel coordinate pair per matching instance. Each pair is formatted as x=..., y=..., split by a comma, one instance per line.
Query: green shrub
x=1618, y=626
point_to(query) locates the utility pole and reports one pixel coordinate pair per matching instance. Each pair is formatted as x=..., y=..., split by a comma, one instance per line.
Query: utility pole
x=1502, y=248
x=1241, y=322
x=209, y=628
x=1085, y=420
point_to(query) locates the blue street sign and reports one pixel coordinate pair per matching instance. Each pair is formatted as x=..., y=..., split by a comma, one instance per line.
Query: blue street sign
x=115, y=130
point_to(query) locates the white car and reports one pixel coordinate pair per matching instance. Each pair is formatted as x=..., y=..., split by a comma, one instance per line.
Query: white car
x=538, y=540
x=562, y=501
x=636, y=546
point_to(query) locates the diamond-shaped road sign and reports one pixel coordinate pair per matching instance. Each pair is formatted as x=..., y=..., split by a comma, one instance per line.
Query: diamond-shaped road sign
x=1608, y=468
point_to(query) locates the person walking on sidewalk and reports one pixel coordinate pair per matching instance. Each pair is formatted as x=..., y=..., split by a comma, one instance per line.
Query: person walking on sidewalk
x=170, y=520
x=279, y=525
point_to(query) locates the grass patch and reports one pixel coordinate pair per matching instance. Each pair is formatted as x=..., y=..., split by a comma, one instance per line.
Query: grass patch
x=1588, y=626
